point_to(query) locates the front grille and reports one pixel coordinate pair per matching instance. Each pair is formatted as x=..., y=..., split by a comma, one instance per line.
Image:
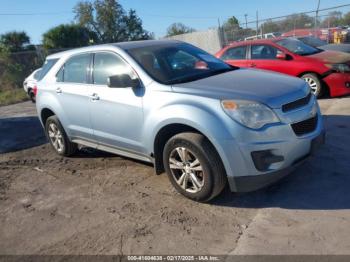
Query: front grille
x=297, y=103
x=305, y=127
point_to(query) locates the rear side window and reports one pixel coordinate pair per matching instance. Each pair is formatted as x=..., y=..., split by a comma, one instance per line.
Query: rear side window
x=75, y=70
x=49, y=63
x=235, y=53
x=106, y=65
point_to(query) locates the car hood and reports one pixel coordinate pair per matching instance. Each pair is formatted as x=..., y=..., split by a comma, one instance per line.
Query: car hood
x=331, y=57
x=272, y=89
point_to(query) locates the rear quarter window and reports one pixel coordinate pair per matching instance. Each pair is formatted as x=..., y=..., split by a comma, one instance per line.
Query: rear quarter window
x=49, y=63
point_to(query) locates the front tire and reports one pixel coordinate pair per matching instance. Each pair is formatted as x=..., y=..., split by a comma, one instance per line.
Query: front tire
x=194, y=167
x=58, y=137
x=315, y=84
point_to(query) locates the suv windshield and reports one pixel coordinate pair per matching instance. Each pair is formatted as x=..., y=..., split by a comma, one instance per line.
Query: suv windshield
x=177, y=63
x=297, y=47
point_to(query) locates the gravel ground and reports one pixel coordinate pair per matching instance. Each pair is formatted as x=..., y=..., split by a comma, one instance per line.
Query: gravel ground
x=98, y=203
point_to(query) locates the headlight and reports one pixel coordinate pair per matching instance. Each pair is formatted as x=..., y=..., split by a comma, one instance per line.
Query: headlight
x=341, y=68
x=250, y=114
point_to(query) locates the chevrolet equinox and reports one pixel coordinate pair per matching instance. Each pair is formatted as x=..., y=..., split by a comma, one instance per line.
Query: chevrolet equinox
x=204, y=122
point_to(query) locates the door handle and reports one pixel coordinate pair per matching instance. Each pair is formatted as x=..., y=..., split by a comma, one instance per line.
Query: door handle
x=58, y=90
x=94, y=97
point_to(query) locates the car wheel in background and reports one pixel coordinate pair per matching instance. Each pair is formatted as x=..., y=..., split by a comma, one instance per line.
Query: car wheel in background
x=194, y=167
x=314, y=83
x=58, y=137
x=31, y=95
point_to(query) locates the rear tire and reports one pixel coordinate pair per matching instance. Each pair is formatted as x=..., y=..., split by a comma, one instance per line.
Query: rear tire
x=31, y=96
x=58, y=137
x=315, y=84
x=194, y=167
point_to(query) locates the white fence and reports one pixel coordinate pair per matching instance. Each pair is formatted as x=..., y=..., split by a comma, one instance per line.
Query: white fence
x=209, y=40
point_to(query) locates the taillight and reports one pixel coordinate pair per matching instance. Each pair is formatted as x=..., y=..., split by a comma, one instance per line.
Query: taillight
x=35, y=90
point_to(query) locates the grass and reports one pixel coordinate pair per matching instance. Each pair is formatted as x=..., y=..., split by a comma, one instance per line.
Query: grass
x=12, y=96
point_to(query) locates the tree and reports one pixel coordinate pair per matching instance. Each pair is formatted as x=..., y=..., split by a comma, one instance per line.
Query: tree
x=14, y=65
x=70, y=35
x=15, y=41
x=233, y=31
x=333, y=19
x=297, y=21
x=346, y=19
x=109, y=21
x=232, y=23
x=270, y=26
x=179, y=29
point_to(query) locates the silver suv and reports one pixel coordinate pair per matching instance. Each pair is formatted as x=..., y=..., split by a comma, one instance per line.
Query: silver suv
x=171, y=104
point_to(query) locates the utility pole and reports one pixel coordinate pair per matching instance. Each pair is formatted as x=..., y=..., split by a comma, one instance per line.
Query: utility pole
x=257, y=23
x=246, y=21
x=316, y=16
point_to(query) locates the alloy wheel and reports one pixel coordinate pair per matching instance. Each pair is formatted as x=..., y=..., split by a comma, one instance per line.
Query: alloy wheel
x=312, y=83
x=186, y=170
x=56, y=137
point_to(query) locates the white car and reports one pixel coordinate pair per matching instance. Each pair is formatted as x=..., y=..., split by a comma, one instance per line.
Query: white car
x=29, y=84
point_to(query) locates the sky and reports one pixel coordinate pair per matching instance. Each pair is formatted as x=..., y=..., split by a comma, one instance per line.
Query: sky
x=156, y=15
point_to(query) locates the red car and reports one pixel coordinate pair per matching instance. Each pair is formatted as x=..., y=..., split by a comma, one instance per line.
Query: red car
x=325, y=71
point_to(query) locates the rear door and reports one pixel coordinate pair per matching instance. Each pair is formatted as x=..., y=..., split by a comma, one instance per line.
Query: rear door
x=236, y=56
x=72, y=94
x=263, y=56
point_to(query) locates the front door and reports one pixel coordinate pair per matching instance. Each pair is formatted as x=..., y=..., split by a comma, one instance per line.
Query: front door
x=264, y=56
x=116, y=113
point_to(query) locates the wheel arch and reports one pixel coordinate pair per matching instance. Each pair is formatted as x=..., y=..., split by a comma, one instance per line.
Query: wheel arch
x=45, y=114
x=162, y=136
x=320, y=77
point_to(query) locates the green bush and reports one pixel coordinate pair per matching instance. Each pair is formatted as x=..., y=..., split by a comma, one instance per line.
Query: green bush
x=12, y=96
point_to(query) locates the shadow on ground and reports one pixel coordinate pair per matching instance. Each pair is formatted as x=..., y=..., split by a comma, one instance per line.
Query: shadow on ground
x=19, y=133
x=322, y=183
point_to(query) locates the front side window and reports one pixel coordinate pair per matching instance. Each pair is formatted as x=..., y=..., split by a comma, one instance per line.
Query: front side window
x=263, y=52
x=235, y=53
x=75, y=70
x=106, y=65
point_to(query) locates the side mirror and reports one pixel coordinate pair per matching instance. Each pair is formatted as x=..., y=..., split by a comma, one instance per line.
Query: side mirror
x=122, y=81
x=281, y=56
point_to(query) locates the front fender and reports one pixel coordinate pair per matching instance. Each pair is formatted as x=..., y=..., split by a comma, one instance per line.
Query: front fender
x=208, y=122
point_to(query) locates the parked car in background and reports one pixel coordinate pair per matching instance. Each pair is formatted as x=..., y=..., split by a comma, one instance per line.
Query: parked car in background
x=330, y=35
x=264, y=36
x=324, y=71
x=321, y=44
x=30, y=82
x=174, y=105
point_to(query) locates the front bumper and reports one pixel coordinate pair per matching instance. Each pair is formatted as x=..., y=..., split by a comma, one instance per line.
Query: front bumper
x=252, y=183
x=338, y=83
x=281, y=148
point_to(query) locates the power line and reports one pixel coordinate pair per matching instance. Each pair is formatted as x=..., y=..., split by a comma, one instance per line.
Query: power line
x=34, y=14
x=306, y=12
